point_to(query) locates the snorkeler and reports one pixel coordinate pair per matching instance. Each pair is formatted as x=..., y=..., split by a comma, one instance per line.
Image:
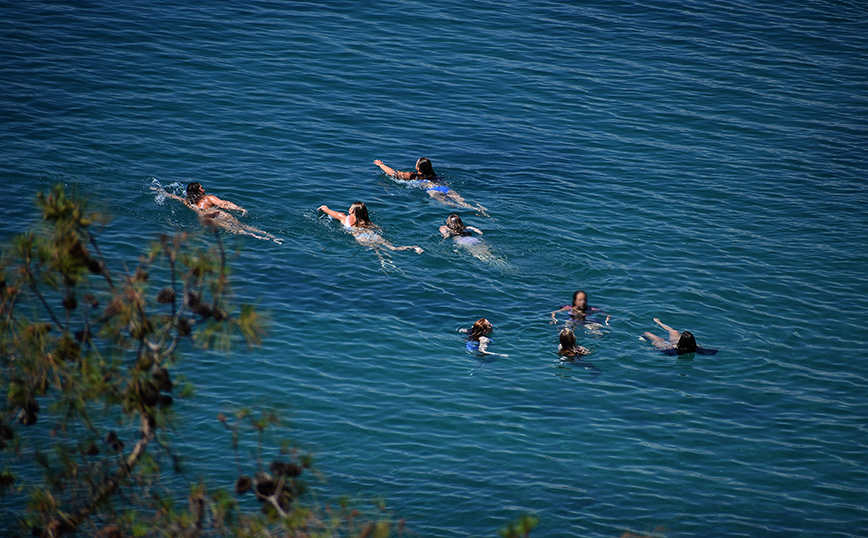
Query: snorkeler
x=425, y=173
x=214, y=212
x=477, y=337
x=567, y=347
x=679, y=343
x=579, y=309
x=359, y=224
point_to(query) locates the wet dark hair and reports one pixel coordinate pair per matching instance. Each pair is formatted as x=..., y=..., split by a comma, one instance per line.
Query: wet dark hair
x=686, y=344
x=195, y=192
x=576, y=294
x=360, y=211
x=426, y=169
x=567, y=340
x=455, y=225
x=480, y=327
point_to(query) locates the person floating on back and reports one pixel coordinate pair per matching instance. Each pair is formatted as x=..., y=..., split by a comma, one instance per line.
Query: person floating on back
x=478, y=337
x=580, y=310
x=679, y=343
x=430, y=181
x=357, y=222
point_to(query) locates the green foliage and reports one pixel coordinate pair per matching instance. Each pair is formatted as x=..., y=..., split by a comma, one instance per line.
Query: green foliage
x=88, y=357
x=89, y=365
x=519, y=528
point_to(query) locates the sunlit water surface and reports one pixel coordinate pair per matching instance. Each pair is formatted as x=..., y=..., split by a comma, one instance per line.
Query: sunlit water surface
x=700, y=162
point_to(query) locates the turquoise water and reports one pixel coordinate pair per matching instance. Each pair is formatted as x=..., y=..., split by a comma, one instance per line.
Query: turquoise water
x=700, y=162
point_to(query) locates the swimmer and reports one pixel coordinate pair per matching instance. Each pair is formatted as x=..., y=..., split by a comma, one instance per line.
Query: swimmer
x=477, y=337
x=425, y=173
x=197, y=198
x=572, y=353
x=359, y=224
x=454, y=227
x=464, y=236
x=567, y=347
x=679, y=343
x=579, y=309
x=214, y=212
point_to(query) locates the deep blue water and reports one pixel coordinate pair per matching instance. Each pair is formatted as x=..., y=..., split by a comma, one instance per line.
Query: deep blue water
x=701, y=162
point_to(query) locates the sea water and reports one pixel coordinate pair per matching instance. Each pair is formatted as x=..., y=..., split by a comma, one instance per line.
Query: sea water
x=700, y=162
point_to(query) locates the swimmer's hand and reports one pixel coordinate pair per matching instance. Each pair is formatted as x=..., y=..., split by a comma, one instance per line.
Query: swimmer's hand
x=323, y=208
x=418, y=250
x=378, y=162
x=607, y=319
x=243, y=212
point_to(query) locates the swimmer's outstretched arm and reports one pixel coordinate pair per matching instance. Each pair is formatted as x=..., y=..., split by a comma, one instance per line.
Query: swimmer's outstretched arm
x=225, y=204
x=392, y=247
x=474, y=229
x=555, y=314
x=483, y=347
x=333, y=214
x=608, y=316
x=406, y=176
x=344, y=219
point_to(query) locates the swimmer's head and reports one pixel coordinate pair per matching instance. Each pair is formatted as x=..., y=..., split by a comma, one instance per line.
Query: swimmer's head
x=580, y=300
x=360, y=210
x=686, y=344
x=567, y=339
x=195, y=192
x=454, y=223
x=480, y=328
x=425, y=168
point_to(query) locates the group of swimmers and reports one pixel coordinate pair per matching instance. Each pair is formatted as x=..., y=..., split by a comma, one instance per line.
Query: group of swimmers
x=581, y=313
x=357, y=221
x=215, y=212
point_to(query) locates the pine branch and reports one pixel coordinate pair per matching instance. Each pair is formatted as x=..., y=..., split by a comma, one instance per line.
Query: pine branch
x=69, y=524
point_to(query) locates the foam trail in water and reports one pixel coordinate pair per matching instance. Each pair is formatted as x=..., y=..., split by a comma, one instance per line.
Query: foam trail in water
x=160, y=191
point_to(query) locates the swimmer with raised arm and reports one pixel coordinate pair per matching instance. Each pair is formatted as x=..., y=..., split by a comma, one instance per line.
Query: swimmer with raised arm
x=425, y=173
x=357, y=222
x=478, y=337
x=215, y=212
x=579, y=309
x=679, y=343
